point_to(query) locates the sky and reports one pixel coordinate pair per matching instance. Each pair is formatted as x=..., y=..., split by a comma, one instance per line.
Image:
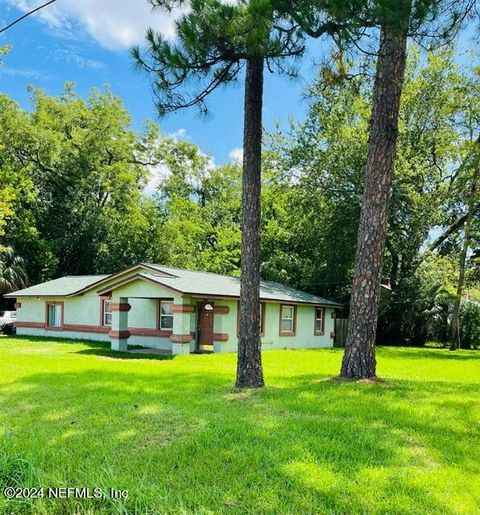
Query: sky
x=88, y=42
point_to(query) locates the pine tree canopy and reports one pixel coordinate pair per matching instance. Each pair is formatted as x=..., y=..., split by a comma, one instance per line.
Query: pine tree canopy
x=214, y=40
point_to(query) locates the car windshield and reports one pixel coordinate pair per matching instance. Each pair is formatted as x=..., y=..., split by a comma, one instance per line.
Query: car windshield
x=8, y=314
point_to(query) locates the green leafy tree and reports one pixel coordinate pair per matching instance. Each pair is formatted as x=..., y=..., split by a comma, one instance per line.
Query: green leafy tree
x=76, y=172
x=13, y=275
x=202, y=212
x=314, y=186
x=4, y=51
x=468, y=186
x=80, y=158
x=6, y=193
x=313, y=196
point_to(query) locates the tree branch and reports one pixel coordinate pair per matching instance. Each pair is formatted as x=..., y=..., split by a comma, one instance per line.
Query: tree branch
x=449, y=231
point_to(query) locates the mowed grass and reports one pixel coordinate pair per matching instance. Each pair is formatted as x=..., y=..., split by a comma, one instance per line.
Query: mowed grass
x=175, y=434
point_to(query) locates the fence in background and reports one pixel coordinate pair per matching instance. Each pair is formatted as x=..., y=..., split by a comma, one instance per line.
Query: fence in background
x=340, y=332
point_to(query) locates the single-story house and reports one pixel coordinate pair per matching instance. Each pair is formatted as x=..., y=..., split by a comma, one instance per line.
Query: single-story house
x=175, y=310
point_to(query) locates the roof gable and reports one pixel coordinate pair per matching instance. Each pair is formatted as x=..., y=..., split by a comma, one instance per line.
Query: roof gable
x=112, y=278
x=155, y=279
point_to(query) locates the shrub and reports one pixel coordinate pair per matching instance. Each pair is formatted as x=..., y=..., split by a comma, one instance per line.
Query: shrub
x=470, y=325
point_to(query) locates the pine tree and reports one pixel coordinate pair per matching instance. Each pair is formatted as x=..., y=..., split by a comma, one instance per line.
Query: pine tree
x=216, y=41
x=397, y=19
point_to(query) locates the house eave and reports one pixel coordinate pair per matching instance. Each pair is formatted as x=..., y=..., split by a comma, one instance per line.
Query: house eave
x=195, y=295
x=118, y=274
x=137, y=277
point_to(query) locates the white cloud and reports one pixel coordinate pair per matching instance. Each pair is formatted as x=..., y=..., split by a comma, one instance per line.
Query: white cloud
x=236, y=155
x=114, y=24
x=70, y=56
x=26, y=73
x=180, y=134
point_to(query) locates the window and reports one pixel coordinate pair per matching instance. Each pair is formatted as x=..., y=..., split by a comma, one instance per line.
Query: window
x=287, y=320
x=107, y=312
x=54, y=315
x=319, y=320
x=262, y=318
x=166, y=314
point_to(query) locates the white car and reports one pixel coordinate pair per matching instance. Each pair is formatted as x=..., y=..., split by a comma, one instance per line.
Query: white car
x=8, y=321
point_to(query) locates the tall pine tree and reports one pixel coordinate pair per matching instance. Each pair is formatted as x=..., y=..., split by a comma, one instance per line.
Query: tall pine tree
x=437, y=19
x=216, y=41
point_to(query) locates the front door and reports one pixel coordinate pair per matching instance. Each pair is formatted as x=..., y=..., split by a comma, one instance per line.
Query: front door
x=205, y=326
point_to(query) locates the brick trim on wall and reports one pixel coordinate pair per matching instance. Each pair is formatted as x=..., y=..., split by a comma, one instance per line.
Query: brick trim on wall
x=86, y=328
x=120, y=306
x=221, y=310
x=145, y=331
x=100, y=329
x=181, y=338
x=183, y=308
x=120, y=335
x=36, y=325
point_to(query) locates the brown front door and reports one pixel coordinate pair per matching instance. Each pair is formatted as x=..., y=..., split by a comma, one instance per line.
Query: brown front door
x=205, y=326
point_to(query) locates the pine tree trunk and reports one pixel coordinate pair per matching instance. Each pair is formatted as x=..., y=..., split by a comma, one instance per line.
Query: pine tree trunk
x=359, y=357
x=249, y=360
x=455, y=342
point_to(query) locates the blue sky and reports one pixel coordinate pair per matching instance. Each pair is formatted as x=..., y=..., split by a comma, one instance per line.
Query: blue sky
x=88, y=42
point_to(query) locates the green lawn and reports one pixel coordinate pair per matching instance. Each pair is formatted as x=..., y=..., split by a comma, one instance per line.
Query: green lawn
x=175, y=434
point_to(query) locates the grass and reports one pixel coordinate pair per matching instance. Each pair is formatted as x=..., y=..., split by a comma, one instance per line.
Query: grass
x=176, y=435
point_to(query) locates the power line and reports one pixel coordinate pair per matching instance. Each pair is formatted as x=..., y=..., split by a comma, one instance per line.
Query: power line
x=26, y=15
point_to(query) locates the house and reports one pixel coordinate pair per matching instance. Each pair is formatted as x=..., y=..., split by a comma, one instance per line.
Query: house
x=176, y=310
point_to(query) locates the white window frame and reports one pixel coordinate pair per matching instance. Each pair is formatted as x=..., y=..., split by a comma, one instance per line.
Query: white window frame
x=105, y=313
x=321, y=319
x=291, y=331
x=163, y=316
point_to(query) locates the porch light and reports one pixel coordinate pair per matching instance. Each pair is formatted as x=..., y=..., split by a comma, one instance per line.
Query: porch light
x=208, y=307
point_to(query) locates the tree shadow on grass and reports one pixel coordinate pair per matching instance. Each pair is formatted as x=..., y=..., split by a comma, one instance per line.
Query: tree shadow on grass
x=106, y=352
x=187, y=442
x=398, y=352
x=97, y=348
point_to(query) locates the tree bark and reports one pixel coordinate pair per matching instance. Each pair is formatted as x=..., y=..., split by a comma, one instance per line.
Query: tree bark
x=359, y=357
x=249, y=360
x=455, y=342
